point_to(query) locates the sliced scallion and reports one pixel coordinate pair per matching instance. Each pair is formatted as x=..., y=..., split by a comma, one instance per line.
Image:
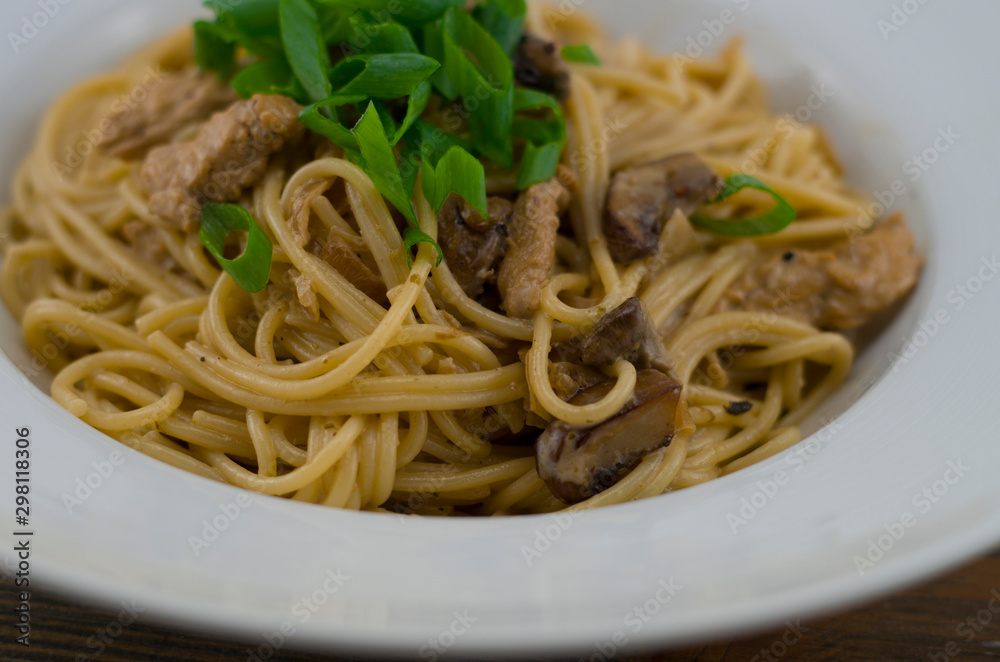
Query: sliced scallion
x=252, y=270
x=776, y=220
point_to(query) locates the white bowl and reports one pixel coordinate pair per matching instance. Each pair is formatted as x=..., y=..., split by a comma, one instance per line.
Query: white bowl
x=836, y=520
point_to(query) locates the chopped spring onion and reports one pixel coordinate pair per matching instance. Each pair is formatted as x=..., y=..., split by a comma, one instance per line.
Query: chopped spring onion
x=504, y=19
x=483, y=77
x=303, y=41
x=581, y=54
x=413, y=236
x=316, y=118
x=212, y=51
x=383, y=75
x=268, y=77
x=252, y=24
x=408, y=12
x=252, y=270
x=457, y=172
x=369, y=33
x=382, y=61
x=776, y=220
x=380, y=164
x=545, y=137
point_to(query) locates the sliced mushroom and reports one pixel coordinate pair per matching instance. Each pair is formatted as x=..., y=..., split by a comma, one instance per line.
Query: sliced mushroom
x=538, y=65
x=642, y=199
x=474, y=246
x=577, y=463
x=568, y=379
x=625, y=333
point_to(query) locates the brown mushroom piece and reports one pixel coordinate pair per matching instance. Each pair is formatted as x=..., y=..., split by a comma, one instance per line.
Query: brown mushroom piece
x=642, y=199
x=473, y=246
x=577, y=463
x=568, y=378
x=627, y=332
x=538, y=65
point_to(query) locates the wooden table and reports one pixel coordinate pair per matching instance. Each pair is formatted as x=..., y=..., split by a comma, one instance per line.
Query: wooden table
x=936, y=621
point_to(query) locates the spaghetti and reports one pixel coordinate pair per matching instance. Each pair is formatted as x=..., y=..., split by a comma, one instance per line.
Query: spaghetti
x=363, y=404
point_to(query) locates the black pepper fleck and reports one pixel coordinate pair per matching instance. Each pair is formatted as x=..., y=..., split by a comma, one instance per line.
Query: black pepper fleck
x=737, y=408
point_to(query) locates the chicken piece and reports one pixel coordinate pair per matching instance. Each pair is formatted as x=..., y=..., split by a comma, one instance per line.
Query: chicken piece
x=177, y=100
x=230, y=154
x=531, y=252
x=147, y=242
x=327, y=246
x=473, y=246
x=302, y=208
x=538, y=65
x=306, y=293
x=838, y=288
x=642, y=199
x=338, y=254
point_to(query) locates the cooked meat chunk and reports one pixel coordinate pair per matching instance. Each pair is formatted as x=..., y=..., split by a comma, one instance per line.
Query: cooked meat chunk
x=305, y=293
x=625, y=333
x=302, y=212
x=148, y=244
x=577, y=463
x=334, y=250
x=537, y=64
x=339, y=255
x=487, y=424
x=174, y=102
x=642, y=199
x=839, y=288
x=474, y=246
x=531, y=252
x=229, y=154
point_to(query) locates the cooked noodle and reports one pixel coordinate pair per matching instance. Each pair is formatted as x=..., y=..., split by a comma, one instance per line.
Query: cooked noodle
x=358, y=409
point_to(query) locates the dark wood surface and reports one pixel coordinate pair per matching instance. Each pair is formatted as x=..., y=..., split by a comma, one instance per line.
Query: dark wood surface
x=935, y=621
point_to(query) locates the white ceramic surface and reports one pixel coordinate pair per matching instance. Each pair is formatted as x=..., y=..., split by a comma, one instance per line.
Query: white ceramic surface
x=412, y=581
